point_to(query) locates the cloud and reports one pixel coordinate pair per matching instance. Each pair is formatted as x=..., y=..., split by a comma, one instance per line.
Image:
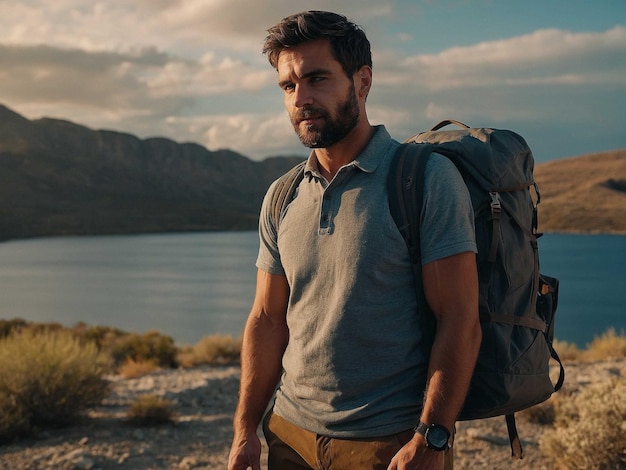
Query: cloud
x=192, y=70
x=179, y=25
x=542, y=57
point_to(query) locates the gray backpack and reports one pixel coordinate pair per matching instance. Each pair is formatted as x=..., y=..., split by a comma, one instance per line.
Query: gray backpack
x=516, y=303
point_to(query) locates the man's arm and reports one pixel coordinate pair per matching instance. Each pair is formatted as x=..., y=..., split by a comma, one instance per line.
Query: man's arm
x=264, y=340
x=451, y=288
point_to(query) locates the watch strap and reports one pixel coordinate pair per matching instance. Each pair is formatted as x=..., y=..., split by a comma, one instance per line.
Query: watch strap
x=425, y=429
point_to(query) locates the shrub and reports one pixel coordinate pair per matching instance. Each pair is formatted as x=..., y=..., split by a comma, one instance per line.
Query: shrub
x=132, y=369
x=104, y=336
x=151, y=346
x=14, y=420
x=567, y=351
x=47, y=378
x=589, y=429
x=150, y=409
x=8, y=327
x=212, y=350
x=608, y=345
x=543, y=413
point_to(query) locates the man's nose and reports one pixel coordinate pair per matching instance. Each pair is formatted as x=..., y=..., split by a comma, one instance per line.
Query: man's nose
x=302, y=96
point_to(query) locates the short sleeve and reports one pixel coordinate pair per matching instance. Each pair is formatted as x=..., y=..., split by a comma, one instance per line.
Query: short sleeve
x=268, y=259
x=447, y=218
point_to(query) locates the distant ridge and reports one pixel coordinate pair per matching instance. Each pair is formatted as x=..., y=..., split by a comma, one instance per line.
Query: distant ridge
x=585, y=194
x=60, y=178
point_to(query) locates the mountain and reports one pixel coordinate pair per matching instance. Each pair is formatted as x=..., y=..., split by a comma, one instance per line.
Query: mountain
x=585, y=194
x=60, y=178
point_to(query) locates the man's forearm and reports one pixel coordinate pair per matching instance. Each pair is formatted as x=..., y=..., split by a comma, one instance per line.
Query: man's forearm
x=452, y=361
x=451, y=288
x=261, y=364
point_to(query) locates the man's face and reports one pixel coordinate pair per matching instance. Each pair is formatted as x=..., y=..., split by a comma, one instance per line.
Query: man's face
x=320, y=98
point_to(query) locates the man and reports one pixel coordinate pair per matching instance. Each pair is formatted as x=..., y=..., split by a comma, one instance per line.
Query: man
x=334, y=324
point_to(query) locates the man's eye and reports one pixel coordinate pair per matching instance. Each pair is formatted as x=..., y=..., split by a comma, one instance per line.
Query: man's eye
x=288, y=87
x=317, y=79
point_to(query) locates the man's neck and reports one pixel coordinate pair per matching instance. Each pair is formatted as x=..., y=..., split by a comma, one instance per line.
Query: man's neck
x=330, y=159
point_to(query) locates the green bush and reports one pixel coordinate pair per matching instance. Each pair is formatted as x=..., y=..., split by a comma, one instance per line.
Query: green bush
x=47, y=378
x=589, y=429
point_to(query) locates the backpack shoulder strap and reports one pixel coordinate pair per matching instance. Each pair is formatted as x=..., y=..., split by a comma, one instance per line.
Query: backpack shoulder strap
x=405, y=185
x=283, y=191
x=405, y=188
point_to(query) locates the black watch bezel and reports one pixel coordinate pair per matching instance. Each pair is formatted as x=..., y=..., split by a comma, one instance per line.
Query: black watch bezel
x=437, y=436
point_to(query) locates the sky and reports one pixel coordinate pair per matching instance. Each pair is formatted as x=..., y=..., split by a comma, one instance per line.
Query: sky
x=192, y=70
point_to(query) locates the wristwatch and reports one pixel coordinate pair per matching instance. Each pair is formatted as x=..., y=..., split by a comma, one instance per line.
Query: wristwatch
x=437, y=436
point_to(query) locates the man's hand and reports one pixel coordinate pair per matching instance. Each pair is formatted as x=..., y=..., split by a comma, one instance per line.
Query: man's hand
x=416, y=456
x=245, y=453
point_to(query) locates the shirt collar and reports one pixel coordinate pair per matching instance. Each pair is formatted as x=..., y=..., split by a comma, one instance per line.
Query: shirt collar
x=368, y=160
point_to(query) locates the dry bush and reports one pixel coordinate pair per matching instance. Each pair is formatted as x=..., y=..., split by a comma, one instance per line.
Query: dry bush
x=543, y=413
x=105, y=337
x=132, y=369
x=150, y=346
x=567, y=351
x=14, y=419
x=8, y=327
x=589, y=429
x=47, y=378
x=211, y=350
x=608, y=345
x=150, y=409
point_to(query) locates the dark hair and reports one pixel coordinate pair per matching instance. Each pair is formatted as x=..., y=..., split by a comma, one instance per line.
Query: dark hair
x=349, y=44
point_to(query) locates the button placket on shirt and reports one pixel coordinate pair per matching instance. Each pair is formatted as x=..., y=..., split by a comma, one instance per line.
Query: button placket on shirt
x=329, y=206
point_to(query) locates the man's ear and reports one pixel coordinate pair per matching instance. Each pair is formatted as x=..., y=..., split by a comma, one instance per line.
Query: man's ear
x=363, y=81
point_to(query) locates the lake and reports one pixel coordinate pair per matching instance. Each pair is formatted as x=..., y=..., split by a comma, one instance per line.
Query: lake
x=195, y=284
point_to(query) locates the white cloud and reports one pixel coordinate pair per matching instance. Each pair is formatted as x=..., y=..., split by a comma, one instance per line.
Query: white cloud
x=543, y=57
x=192, y=70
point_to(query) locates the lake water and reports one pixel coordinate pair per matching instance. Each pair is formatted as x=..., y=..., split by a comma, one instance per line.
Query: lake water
x=192, y=285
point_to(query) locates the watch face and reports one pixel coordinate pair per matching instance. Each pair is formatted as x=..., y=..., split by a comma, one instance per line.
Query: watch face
x=437, y=437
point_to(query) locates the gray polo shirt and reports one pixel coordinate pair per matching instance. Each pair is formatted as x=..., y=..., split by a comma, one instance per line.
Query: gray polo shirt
x=353, y=366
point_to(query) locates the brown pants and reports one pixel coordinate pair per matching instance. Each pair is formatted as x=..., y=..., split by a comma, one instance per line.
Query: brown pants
x=294, y=448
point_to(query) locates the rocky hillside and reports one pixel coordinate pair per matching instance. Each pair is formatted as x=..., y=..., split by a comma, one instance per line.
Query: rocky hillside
x=60, y=178
x=584, y=194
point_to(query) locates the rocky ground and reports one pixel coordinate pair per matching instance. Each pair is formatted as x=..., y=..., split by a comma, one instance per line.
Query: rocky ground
x=199, y=438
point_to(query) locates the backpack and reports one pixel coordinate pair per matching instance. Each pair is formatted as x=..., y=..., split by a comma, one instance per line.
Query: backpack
x=516, y=303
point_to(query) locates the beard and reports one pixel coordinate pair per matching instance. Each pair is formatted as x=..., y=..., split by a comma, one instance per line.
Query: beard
x=334, y=129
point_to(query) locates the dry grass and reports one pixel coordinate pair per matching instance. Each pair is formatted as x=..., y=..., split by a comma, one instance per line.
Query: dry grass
x=567, y=351
x=150, y=346
x=150, y=409
x=47, y=378
x=212, y=350
x=132, y=369
x=590, y=430
x=608, y=345
x=583, y=194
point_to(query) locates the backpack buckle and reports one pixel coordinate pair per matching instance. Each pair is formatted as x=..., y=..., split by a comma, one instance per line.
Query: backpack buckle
x=496, y=209
x=496, y=206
